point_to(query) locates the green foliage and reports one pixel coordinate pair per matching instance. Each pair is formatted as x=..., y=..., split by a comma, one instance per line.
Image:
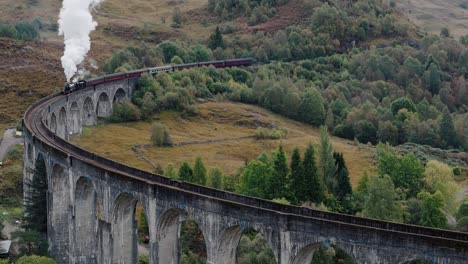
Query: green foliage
x=313, y=188
x=382, y=200
x=462, y=216
x=439, y=177
x=36, y=202
x=215, y=178
x=254, y=249
x=22, y=31
x=431, y=213
x=193, y=243
x=447, y=129
x=255, y=179
x=331, y=255
x=124, y=112
x=265, y=133
x=185, y=172
x=311, y=109
x=406, y=171
x=35, y=260
x=216, y=40
x=143, y=259
x=11, y=173
x=199, y=172
x=160, y=136
x=177, y=18
x=403, y=103
x=327, y=167
x=278, y=182
x=31, y=242
x=298, y=185
x=170, y=171
x=342, y=177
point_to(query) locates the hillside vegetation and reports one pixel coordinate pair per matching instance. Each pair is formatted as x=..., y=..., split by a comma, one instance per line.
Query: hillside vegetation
x=216, y=120
x=433, y=15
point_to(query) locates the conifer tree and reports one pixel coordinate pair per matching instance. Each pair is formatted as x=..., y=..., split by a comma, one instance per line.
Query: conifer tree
x=216, y=39
x=447, y=129
x=298, y=186
x=36, y=202
x=279, y=179
x=170, y=171
x=185, y=172
x=342, y=177
x=216, y=178
x=315, y=187
x=327, y=166
x=199, y=172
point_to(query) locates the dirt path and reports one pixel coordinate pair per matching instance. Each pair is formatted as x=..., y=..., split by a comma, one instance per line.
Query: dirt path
x=462, y=194
x=8, y=142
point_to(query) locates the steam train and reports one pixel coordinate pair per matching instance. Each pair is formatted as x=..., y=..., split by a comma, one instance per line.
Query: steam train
x=74, y=86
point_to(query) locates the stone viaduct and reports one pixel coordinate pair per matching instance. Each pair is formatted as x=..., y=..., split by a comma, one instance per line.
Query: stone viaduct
x=92, y=200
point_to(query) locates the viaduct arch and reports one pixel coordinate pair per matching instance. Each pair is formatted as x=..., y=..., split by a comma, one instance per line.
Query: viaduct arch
x=92, y=204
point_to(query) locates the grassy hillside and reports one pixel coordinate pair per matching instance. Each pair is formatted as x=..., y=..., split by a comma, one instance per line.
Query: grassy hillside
x=433, y=15
x=217, y=120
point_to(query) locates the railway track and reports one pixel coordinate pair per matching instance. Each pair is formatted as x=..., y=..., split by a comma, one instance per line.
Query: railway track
x=35, y=125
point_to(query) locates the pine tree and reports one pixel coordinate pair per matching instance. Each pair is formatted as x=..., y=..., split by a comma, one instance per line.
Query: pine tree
x=327, y=166
x=185, y=172
x=199, y=172
x=36, y=202
x=447, y=129
x=279, y=179
x=315, y=191
x=298, y=187
x=170, y=171
x=216, y=39
x=216, y=178
x=342, y=177
x=329, y=119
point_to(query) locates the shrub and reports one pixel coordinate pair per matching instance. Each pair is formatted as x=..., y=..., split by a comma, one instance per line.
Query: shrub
x=35, y=260
x=125, y=112
x=265, y=133
x=143, y=259
x=160, y=135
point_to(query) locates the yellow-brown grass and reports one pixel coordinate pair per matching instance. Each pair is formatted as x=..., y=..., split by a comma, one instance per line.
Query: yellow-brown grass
x=433, y=15
x=217, y=120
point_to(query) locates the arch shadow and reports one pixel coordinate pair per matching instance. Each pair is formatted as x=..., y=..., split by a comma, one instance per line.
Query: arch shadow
x=171, y=228
x=119, y=96
x=124, y=230
x=86, y=221
x=88, y=114
x=230, y=240
x=53, y=123
x=59, y=213
x=104, y=107
x=74, y=118
x=62, y=123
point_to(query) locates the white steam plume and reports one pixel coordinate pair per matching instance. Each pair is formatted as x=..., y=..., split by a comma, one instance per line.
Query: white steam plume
x=76, y=23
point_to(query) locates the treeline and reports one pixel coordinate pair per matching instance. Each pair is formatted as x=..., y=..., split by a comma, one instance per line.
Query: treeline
x=393, y=94
x=401, y=189
x=257, y=11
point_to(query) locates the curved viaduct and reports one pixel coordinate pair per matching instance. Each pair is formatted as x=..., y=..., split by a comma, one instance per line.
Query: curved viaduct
x=91, y=204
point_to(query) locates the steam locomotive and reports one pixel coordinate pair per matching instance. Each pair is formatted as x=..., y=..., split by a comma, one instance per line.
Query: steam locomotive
x=74, y=86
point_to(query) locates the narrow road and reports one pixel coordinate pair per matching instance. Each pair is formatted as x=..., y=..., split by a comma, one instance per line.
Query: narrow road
x=8, y=142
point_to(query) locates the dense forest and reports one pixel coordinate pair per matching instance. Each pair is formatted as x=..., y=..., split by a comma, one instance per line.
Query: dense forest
x=326, y=73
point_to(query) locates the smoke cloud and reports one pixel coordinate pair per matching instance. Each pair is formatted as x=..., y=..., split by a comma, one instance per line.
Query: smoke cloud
x=76, y=23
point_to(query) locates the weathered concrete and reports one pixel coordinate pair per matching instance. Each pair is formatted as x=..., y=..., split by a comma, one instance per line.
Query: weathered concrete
x=92, y=201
